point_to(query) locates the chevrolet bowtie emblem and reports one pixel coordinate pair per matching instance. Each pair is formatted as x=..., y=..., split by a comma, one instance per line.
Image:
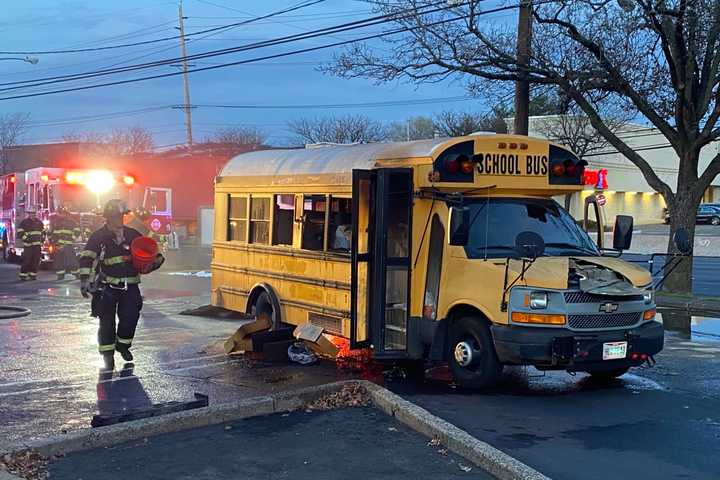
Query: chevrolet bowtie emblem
x=608, y=307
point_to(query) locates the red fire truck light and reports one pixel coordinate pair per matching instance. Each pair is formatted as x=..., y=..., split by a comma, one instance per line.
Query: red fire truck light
x=44, y=178
x=129, y=180
x=13, y=179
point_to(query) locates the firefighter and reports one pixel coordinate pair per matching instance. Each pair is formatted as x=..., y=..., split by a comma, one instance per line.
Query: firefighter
x=64, y=230
x=115, y=284
x=30, y=231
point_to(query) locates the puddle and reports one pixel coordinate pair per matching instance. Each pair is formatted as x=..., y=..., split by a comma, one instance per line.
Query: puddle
x=692, y=327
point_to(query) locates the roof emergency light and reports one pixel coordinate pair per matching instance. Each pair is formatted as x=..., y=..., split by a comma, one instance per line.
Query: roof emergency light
x=129, y=180
x=99, y=181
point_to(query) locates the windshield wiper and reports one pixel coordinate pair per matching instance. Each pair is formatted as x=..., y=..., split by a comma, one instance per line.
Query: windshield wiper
x=571, y=246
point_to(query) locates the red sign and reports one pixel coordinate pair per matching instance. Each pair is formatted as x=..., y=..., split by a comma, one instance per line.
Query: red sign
x=596, y=178
x=601, y=199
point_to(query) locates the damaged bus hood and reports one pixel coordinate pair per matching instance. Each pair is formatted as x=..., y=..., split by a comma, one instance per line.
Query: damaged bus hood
x=637, y=276
x=599, y=275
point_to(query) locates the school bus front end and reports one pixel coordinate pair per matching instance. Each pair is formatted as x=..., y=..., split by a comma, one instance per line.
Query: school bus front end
x=521, y=283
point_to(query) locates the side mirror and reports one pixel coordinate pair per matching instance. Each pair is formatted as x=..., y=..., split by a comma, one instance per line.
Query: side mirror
x=458, y=226
x=529, y=245
x=622, y=233
x=682, y=241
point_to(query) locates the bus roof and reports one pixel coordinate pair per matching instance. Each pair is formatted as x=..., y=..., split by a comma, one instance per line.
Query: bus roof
x=326, y=159
x=333, y=164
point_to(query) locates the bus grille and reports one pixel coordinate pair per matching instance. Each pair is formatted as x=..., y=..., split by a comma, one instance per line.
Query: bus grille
x=604, y=320
x=584, y=297
x=332, y=325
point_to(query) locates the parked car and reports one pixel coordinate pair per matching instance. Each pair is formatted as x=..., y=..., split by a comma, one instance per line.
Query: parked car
x=707, y=213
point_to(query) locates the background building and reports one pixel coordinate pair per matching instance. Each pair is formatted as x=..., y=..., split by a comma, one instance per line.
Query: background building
x=628, y=192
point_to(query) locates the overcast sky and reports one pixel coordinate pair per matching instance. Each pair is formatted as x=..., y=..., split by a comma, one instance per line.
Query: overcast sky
x=40, y=25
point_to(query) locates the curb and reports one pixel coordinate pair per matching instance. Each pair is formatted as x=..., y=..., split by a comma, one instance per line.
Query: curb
x=489, y=458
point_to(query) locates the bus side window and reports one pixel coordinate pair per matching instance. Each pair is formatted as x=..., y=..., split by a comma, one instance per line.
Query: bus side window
x=283, y=219
x=434, y=268
x=259, y=220
x=313, y=231
x=340, y=228
x=237, y=219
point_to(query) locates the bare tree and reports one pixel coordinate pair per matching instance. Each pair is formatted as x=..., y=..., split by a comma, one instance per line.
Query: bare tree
x=574, y=130
x=414, y=128
x=658, y=59
x=121, y=141
x=242, y=137
x=12, y=127
x=347, y=129
x=131, y=141
x=457, y=124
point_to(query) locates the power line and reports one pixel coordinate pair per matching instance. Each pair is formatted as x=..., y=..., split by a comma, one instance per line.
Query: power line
x=390, y=103
x=164, y=39
x=100, y=116
x=278, y=41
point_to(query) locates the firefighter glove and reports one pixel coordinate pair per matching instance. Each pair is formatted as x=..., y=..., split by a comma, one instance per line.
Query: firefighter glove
x=84, y=288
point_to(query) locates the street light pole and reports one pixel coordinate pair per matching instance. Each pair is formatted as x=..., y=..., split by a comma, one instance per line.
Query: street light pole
x=186, y=82
x=522, y=86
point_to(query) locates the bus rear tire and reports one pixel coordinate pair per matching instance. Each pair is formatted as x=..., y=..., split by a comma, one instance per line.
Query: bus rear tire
x=264, y=308
x=472, y=357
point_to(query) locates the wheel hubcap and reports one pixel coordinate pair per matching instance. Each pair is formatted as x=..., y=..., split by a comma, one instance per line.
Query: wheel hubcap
x=463, y=354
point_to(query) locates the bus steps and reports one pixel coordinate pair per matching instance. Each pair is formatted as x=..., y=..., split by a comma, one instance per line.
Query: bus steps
x=156, y=410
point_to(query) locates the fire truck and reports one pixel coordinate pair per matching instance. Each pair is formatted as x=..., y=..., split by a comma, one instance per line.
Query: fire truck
x=83, y=191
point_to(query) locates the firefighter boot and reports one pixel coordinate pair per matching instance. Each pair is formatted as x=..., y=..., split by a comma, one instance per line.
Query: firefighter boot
x=109, y=360
x=124, y=352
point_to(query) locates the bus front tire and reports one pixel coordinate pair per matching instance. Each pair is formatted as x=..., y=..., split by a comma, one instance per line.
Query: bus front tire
x=472, y=357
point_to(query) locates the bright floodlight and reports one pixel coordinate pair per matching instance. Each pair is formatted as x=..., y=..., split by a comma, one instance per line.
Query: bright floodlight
x=99, y=181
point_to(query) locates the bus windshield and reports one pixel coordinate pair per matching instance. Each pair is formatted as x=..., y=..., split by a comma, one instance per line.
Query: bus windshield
x=495, y=222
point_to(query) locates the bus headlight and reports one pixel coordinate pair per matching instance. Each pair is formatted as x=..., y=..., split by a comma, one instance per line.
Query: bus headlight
x=648, y=296
x=538, y=300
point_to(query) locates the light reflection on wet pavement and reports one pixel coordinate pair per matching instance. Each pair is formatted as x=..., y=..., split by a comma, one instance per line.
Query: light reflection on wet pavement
x=50, y=377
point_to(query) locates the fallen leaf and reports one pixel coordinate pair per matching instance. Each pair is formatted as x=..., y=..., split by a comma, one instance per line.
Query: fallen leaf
x=464, y=468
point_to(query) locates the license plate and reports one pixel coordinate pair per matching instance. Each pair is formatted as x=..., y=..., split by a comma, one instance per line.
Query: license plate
x=614, y=350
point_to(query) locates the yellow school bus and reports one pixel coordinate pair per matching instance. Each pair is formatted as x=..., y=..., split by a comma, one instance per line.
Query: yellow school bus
x=444, y=250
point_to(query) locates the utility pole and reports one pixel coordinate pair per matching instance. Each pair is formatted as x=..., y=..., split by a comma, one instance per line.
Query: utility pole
x=522, y=86
x=186, y=82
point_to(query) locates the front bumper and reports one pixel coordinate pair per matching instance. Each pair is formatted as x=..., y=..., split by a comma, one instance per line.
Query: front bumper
x=562, y=348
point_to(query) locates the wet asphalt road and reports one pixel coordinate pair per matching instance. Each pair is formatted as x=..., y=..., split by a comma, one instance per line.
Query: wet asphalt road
x=50, y=379
x=662, y=422
x=349, y=444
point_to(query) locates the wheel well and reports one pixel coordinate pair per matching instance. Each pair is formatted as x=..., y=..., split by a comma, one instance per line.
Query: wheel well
x=439, y=347
x=255, y=293
x=465, y=310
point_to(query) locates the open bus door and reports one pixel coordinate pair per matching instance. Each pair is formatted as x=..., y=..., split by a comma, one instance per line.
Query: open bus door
x=380, y=274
